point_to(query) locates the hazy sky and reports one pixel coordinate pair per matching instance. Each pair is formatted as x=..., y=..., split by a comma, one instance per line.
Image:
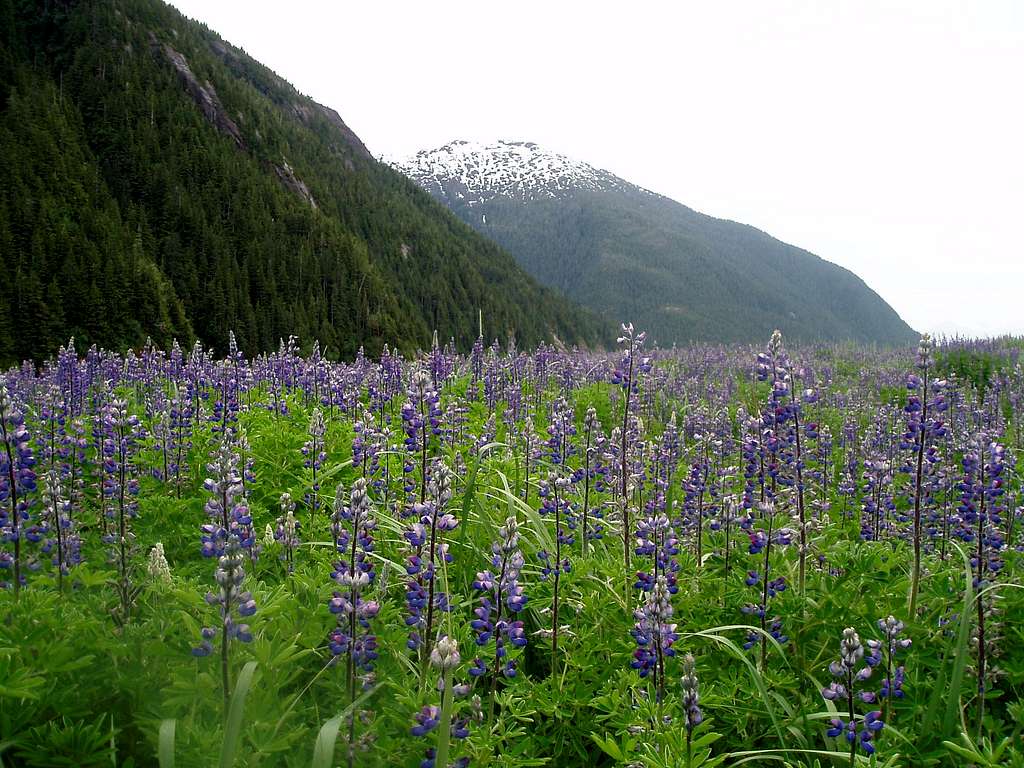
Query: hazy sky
x=884, y=136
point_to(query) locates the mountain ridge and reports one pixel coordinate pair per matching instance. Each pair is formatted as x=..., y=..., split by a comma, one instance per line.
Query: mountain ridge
x=625, y=251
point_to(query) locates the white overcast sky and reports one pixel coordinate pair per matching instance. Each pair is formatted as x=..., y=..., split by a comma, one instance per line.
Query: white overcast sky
x=884, y=136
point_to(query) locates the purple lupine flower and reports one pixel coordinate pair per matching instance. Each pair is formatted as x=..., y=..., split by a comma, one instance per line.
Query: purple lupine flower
x=68, y=376
x=695, y=487
x=227, y=508
x=65, y=546
x=426, y=720
x=849, y=671
x=691, y=695
x=198, y=371
x=421, y=419
x=73, y=464
x=51, y=432
x=654, y=635
x=627, y=376
x=762, y=541
x=555, y=504
x=354, y=573
x=561, y=430
x=477, y=361
x=923, y=429
x=981, y=504
x=367, y=443
x=783, y=432
x=656, y=540
x=122, y=435
x=428, y=550
x=883, y=653
x=501, y=598
x=233, y=605
x=224, y=417
x=179, y=440
x=445, y=658
x=17, y=485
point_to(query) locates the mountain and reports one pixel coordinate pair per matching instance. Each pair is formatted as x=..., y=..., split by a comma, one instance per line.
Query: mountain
x=627, y=252
x=157, y=181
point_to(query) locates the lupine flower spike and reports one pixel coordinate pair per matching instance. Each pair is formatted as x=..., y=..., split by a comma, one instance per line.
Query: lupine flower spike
x=445, y=658
x=850, y=671
x=17, y=484
x=501, y=598
x=354, y=574
x=691, y=702
x=231, y=601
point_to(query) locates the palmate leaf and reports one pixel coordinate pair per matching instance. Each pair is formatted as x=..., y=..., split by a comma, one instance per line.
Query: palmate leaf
x=19, y=683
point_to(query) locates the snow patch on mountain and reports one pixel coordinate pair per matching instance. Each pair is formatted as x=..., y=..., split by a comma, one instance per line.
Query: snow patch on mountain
x=475, y=172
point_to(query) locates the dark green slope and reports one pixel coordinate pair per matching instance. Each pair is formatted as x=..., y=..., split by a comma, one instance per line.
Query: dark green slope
x=157, y=181
x=682, y=274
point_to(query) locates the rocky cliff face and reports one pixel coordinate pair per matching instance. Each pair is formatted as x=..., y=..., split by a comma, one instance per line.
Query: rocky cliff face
x=295, y=184
x=204, y=94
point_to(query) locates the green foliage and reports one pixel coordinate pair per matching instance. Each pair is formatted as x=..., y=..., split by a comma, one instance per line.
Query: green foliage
x=1005, y=753
x=973, y=365
x=69, y=744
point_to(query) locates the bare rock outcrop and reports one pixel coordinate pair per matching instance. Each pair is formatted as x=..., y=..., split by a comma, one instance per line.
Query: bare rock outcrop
x=204, y=95
x=287, y=176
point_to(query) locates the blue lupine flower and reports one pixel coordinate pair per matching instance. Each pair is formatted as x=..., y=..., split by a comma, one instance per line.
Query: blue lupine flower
x=446, y=659
x=354, y=573
x=227, y=508
x=654, y=634
x=17, y=485
x=230, y=599
x=428, y=550
x=850, y=669
x=691, y=696
x=500, y=592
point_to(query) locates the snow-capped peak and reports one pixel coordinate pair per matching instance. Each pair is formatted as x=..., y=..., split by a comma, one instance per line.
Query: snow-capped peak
x=477, y=172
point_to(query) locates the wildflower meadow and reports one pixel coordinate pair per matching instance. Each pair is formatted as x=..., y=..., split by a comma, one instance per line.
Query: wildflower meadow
x=793, y=555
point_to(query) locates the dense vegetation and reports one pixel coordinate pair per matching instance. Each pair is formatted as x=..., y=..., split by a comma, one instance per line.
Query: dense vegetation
x=158, y=182
x=691, y=558
x=685, y=276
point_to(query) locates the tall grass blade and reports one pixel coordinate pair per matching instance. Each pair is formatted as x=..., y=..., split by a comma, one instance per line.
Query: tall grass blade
x=165, y=747
x=323, y=752
x=962, y=652
x=233, y=727
x=327, y=738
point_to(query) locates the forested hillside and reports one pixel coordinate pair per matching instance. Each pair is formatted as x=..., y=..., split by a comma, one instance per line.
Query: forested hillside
x=626, y=252
x=159, y=182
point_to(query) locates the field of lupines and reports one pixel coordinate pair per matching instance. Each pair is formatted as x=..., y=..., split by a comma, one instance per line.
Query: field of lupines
x=696, y=557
